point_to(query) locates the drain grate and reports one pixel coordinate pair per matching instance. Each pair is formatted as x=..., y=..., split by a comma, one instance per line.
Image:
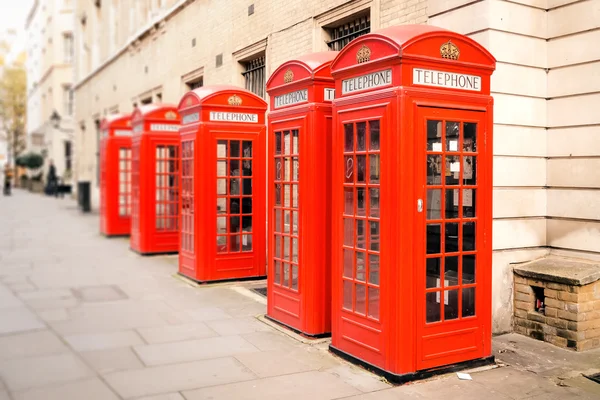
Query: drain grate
x=595, y=377
x=261, y=290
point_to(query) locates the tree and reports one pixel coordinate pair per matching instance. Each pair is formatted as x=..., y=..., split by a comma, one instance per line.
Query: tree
x=13, y=105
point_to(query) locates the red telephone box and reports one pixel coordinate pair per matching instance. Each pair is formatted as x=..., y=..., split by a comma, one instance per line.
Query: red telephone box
x=299, y=278
x=412, y=201
x=222, y=184
x=115, y=175
x=155, y=179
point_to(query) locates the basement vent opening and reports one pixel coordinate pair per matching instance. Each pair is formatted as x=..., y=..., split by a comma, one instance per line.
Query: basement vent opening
x=539, y=300
x=594, y=377
x=261, y=290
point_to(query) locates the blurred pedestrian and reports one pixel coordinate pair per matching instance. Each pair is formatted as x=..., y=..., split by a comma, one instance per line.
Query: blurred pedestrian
x=52, y=180
x=7, y=177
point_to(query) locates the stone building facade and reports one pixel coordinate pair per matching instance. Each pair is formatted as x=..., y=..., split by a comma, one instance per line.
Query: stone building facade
x=546, y=90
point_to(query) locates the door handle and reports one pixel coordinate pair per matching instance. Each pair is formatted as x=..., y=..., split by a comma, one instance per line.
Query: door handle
x=420, y=205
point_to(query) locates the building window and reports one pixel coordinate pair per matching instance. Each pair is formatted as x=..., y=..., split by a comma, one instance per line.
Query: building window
x=98, y=137
x=254, y=75
x=147, y=100
x=68, y=156
x=68, y=48
x=345, y=32
x=68, y=100
x=196, y=83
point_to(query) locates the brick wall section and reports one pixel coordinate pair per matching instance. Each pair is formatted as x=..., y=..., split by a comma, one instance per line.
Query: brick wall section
x=403, y=12
x=572, y=313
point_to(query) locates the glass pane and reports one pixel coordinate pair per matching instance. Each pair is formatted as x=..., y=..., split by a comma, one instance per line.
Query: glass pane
x=221, y=244
x=374, y=202
x=295, y=226
x=468, y=302
x=373, y=135
x=348, y=138
x=294, y=250
x=278, y=194
x=361, y=202
x=278, y=224
x=247, y=205
x=247, y=149
x=452, y=170
x=247, y=223
x=349, y=169
x=452, y=136
x=247, y=186
x=470, y=137
x=246, y=242
x=434, y=170
x=468, y=202
x=286, y=274
x=348, y=264
x=234, y=148
x=434, y=135
x=432, y=307
x=374, y=269
x=361, y=266
x=361, y=299
x=361, y=168
x=452, y=202
x=361, y=133
x=221, y=186
x=450, y=304
x=451, y=237
x=294, y=277
x=234, y=243
x=286, y=248
x=470, y=170
x=348, y=232
x=295, y=148
x=287, y=197
x=277, y=142
x=374, y=168
x=295, y=169
x=374, y=303
x=286, y=221
x=433, y=273
x=434, y=199
x=349, y=201
x=468, y=236
x=278, y=169
x=277, y=246
x=374, y=235
x=221, y=224
x=234, y=167
x=287, y=143
x=451, y=271
x=360, y=234
x=234, y=186
x=295, y=196
x=347, y=295
x=234, y=205
x=234, y=224
x=247, y=168
x=433, y=238
x=277, y=267
x=468, y=269
x=221, y=148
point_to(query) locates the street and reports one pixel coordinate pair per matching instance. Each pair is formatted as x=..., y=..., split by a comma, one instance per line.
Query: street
x=83, y=317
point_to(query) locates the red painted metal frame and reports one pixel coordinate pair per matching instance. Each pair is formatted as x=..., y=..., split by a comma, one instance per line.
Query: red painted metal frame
x=304, y=301
x=115, y=175
x=201, y=257
x=155, y=176
x=399, y=342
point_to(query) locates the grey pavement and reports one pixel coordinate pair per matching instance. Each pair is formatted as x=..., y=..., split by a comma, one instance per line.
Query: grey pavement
x=82, y=317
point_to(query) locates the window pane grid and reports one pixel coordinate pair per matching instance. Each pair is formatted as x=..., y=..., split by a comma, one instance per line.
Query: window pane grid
x=345, y=33
x=135, y=189
x=361, y=227
x=451, y=213
x=124, y=182
x=166, y=195
x=286, y=210
x=254, y=76
x=234, y=196
x=187, y=196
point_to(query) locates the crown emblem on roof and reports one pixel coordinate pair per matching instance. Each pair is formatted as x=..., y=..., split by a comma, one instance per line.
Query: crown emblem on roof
x=188, y=102
x=234, y=100
x=128, y=123
x=288, y=76
x=363, y=54
x=450, y=51
x=170, y=115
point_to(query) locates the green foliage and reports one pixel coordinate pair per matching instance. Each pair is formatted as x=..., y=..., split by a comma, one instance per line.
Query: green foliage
x=31, y=161
x=13, y=105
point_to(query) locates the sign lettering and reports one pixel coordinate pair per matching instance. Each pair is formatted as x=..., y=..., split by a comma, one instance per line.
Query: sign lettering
x=430, y=77
x=299, y=96
x=233, y=117
x=188, y=119
x=164, y=127
x=329, y=94
x=369, y=81
x=122, y=132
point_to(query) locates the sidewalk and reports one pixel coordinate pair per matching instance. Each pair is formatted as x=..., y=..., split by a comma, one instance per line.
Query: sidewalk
x=82, y=317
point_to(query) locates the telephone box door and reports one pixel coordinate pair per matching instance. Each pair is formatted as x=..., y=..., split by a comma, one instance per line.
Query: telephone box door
x=453, y=210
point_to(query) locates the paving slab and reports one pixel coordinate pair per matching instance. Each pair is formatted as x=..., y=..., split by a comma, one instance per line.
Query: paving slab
x=238, y=326
x=18, y=319
x=272, y=363
x=21, y=374
x=4, y=395
x=99, y=293
x=112, y=360
x=7, y=299
x=99, y=341
x=30, y=344
x=178, y=377
x=206, y=314
x=167, y=396
x=54, y=315
x=311, y=385
x=269, y=341
x=89, y=389
x=190, y=350
x=175, y=333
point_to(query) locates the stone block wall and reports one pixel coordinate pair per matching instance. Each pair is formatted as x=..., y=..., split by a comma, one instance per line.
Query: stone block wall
x=570, y=317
